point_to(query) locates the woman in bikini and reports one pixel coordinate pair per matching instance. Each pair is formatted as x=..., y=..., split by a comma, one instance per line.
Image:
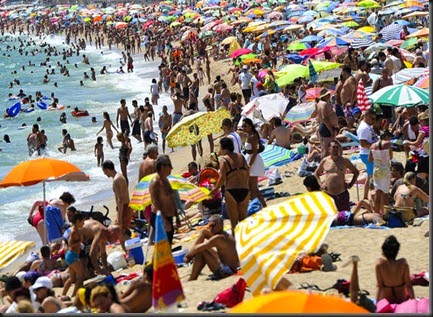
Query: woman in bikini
x=234, y=175
x=107, y=126
x=393, y=278
x=407, y=193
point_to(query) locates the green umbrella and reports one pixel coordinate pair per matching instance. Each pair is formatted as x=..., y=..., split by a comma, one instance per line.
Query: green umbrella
x=244, y=57
x=206, y=34
x=296, y=46
x=289, y=73
x=401, y=95
x=369, y=4
x=321, y=66
x=410, y=43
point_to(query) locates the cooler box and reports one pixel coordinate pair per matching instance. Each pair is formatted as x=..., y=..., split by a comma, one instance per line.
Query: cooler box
x=179, y=255
x=134, y=245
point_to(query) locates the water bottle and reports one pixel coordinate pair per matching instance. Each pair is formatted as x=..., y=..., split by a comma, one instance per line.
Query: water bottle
x=130, y=259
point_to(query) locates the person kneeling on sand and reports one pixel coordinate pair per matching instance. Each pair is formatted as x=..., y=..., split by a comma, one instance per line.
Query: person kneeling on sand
x=137, y=298
x=223, y=261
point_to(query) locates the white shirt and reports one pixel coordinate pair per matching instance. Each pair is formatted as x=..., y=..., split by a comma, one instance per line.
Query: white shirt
x=365, y=132
x=397, y=64
x=154, y=89
x=245, y=78
x=255, y=91
x=237, y=141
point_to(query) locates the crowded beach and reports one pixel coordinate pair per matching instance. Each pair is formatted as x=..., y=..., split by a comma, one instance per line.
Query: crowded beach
x=292, y=160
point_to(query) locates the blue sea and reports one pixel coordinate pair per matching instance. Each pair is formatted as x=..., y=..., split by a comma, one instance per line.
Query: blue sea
x=96, y=97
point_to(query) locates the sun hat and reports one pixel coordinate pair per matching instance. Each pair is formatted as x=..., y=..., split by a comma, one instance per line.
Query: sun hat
x=41, y=282
x=355, y=111
x=324, y=92
x=423, y=116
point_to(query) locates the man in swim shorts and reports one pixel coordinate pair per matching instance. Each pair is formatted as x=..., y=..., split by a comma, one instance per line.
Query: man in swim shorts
x=123, y=114
x=224, y=261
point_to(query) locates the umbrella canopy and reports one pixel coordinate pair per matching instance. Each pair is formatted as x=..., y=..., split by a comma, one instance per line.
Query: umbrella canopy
x=401, y=95
x=361, y=97
x=274, y=155
x=269, y=241
x=140, y=197
x=239, y=52
x=334, y=41
x=423, y=82
x=302, y=112
x=195, y=127
x=361, y=42
x=296, y=46
x=267, y=106
x=421, y=33
x=407, y=74
x=289, y=73
x=391, y=32
x=297, y=302
x=409, y=43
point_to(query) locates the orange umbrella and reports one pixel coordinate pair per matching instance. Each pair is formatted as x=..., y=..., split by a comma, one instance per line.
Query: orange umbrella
x=297, y=302
x=252, y=60
x=42, y=170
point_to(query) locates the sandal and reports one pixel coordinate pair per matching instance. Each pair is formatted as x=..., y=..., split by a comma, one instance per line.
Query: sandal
x=335, y=256
x=289, y=174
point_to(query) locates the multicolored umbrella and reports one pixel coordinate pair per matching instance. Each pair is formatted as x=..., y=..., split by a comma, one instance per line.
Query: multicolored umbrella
x=166, y=287
x=269, y=241
x=407, y=74
x=361, y=97
x=274, y=155
x=314, y=93
x=391, y=32
x=300, y=113
x=195, y=127
x=300, y=302
x=187, y=191
x=401, y=95
x=423, y=82
x=240, y=52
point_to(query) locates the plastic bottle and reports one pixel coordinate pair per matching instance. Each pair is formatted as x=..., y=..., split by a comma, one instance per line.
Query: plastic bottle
x=130, y=259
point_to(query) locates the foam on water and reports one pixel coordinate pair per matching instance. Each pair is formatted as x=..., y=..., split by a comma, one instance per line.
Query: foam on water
x=95, y=97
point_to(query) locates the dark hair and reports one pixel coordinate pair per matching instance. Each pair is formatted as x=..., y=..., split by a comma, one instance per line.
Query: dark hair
x=390, y=247
x=227, y=144
x=45, y=251
x=227, y=122
x=250, y=123
x=193, y=164
x=385, y=134
x=398, y=166
x=311, y=182
x=161, y=160
x=77, y=216
x=413, y=120
x=277, y=121
x=347, y=69
x=109, y=165
x=68, y=198
x=148, y=269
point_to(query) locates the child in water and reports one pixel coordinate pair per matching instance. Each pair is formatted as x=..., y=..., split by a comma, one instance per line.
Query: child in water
x=99, y=150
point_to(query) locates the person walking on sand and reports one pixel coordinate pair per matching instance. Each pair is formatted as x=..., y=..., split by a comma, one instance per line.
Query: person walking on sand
x=234, y=174
x=165, y=123
x=120, y=189
x=107, y=125
x=223, y=261
x=75, y=265
x=123, y=114
x=334, y=169
x=99, y=151
x=392, y=275
x=154, y=90
x=148, y=130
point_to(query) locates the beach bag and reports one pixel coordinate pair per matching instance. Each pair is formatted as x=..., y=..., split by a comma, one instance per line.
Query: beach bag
x=394, y=219
x=274, y=177
x=233, y=295
x=253, y=207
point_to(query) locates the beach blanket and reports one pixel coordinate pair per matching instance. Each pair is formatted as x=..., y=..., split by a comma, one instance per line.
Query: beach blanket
x=11, y=250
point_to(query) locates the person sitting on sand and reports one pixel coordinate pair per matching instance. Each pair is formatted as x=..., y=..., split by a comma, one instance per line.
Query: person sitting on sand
x=334, y=167
x=45, y=265
x=106, y=300
x=407, y=193
x=223, y=261
x=281, y=134
x=137, y=298
x=392, y=275
x=45, y=296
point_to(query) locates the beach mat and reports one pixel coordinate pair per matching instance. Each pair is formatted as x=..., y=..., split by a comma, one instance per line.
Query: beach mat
x=11, y=250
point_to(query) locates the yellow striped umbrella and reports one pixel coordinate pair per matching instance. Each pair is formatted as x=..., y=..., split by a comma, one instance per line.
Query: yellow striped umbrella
x=11, y=250
x=269, y=241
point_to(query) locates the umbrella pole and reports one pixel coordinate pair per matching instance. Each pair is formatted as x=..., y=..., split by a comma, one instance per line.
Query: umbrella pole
x=45, y=242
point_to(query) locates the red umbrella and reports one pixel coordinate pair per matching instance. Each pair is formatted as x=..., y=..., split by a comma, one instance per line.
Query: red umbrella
x=313, y=93
x=240, y=52
x=361, y=97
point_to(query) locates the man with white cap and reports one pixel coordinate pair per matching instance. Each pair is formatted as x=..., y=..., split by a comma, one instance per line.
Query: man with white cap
x=245, y=80
x=43, y=296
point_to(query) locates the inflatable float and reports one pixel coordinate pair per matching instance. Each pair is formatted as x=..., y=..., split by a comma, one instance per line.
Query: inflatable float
x=13, y=97
x=59, y=107
x=13, y=111
x=80, y=113
x=42, y=105
x=29, y=110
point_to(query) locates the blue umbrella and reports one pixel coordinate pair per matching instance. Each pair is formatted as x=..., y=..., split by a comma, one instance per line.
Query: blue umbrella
x=402, y=22
x=274, y=155
x=295, y=58
x=332, y=6
x=338, y=42
x=311, y=38
x=306, y=19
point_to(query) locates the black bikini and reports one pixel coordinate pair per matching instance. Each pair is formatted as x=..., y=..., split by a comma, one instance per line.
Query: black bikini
x=239, y=194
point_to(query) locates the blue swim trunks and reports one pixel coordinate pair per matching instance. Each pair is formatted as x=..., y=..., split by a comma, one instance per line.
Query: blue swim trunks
x=71, y=257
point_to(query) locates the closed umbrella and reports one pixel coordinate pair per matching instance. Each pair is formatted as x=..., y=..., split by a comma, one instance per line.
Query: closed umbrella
x=361, y=97
x=401, y=95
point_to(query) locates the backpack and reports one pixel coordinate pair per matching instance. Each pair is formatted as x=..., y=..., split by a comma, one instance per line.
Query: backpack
x=394, y=219
x=233, y=295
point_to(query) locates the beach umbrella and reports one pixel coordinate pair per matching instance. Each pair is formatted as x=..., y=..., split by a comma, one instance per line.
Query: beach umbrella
x=313, y=93
x=296, y=46
x=297, y=301
x=407, y=74
x=400, y=95
x=300, y=113
x=275, y=155
x=140, y=197
x=361, y=97
x=43, y=170
x=424, y=32
x=267, y=106
x=409, y=44
x=251, y=60
x=311, y=38
x=269, y=241
x=11, y=250
x=391, y=32
x=206, y=34
x=223, y=27
x=359, y=43
x=334, y=41
x=368, y=4
x=312, y=71
x=195, y=127
x=121, y=25
x=289, y=73
x=423, y=82
x=166, y=287
x=293, y=27
x=377, y=47
x=321, y=66
x=351, y=24
x=240, y=52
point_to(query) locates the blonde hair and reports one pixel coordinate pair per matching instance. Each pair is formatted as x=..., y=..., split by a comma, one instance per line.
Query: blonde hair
x=25, y=306
x=99, y=291
x=409, y=177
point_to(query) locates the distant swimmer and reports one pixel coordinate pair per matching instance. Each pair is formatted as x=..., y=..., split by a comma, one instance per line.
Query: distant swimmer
x=104, y=70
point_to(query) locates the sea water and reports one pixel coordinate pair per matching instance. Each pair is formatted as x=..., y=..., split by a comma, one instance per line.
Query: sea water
x=98, y=96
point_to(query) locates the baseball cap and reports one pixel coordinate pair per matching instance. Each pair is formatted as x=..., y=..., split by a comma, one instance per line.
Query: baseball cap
x=355, y=111
x=32, y=276
x=259, y=85
x=12, y=284
x=42, y=281
x=245, y=67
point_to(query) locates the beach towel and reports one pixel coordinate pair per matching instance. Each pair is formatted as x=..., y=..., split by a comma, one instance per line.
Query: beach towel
x=233, y=295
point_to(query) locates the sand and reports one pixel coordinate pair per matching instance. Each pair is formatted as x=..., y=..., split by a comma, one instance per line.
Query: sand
x=366, y=243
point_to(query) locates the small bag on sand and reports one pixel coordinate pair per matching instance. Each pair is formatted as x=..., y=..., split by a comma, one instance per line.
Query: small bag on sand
x=233, y=295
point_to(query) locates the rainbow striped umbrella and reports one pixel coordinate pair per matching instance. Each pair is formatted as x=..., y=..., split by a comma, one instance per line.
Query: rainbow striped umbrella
x=423, y=82
x=269, y=241
x=187, y=191
x=300, y=113
x=275, y=155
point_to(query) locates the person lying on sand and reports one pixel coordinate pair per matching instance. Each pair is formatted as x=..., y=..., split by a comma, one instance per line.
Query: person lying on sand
x=223, y=261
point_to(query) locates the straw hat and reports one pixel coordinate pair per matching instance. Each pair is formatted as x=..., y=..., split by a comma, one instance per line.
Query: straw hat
x=423, y=116
x=324, y=92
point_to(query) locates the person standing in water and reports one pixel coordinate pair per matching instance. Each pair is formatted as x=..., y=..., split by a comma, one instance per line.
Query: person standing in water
x=107, y=125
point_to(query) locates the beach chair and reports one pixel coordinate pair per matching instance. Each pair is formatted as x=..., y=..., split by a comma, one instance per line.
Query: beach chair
x=98, y=216
x=407, y=214
x=354, y=141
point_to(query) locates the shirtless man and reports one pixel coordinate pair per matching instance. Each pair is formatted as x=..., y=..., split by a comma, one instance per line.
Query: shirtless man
x=35, y=140
x=223, y=261
x=147, y=166
x=280, y=134
x=334, y=166
x=138, y=296
x=147, y=126
x=136, y=123
x=328, y=121
x=165, y=123
x=348, y=91
x=162, y=196
x=120, y=189
x=123, y=114
x=178, y=102
x=95, y=237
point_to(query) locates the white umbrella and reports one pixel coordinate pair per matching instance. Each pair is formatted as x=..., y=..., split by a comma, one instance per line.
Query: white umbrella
x=268, y=106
